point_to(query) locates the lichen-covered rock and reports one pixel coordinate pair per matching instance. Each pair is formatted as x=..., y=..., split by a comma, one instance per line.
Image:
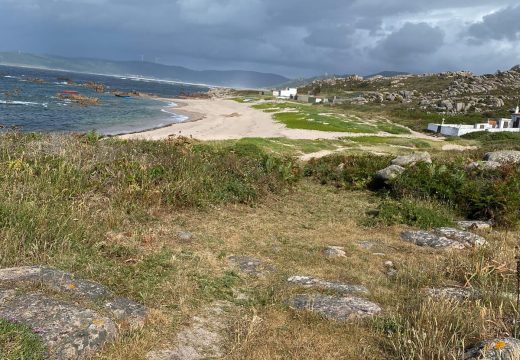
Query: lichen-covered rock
x=123, y=310
x=185, y=236
x=464, y=237
x=410, y=160
x=474, y=225
x=389, y=173
x=69, y=331
x=425, y=238
x=308, y=281
x=497, y=349
x=504, y=157
x=334, y=252
x=251, y=265
x=452, y=293
x=447, y=238
x=205, y=338
x=340, y=308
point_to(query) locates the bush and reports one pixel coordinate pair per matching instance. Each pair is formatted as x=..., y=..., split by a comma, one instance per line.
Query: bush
x=421, y=214
x=477, y=194
x=351, y=172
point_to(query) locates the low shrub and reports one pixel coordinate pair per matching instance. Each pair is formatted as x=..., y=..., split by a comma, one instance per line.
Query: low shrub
x=343, y=171
x=477, y=194
x=421, y=214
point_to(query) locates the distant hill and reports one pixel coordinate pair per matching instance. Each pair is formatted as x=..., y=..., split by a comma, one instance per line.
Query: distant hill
x=231, y=78
x=387, y=74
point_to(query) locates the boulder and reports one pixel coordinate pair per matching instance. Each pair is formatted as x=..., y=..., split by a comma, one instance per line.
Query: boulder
x=389, y=173
x=496, y=349
x=410, y=160
x=311, y=282
x=504, y=157
x=339, y=308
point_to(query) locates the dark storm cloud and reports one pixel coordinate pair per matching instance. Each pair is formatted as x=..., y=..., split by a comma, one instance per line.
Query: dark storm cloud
x=409, y=42
x=500, y=25
x=294, y=37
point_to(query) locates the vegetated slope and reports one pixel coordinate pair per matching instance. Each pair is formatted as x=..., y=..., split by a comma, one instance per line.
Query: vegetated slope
x=232, y=78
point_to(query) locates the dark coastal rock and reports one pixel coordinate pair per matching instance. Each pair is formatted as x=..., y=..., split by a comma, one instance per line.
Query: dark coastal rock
x=69, y=331
x=123, y=310
x=504, y=157
x=205, y=338
x=447, y=238
x=334, y=252
x=251, y=265
x=474, y=225
x=452, y=293
x=340, y=308
x=389, y=173
x=310, y=282
x=410, y=160
x=496, y=349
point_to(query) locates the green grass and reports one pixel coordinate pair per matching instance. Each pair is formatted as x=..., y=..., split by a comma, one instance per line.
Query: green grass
x=325, y=118
x=18, y=342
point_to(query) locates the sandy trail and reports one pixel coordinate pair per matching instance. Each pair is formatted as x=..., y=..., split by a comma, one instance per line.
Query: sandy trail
x=221, y=119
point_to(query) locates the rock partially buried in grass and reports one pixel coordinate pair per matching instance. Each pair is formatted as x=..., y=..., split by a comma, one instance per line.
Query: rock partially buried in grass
x=251, y=266
x=309, y=282
x=185, y=236
x=465, y=237
x=69, y=331
x=474, y=225
x=339, y=308
x=504, y=157
x=410, y=160
x=205, y=338
x=447, y=238
x=452, y=293
x=389, y=173
x=428, y=239
x=497, y=349
x=334, y=252
x=125, y=311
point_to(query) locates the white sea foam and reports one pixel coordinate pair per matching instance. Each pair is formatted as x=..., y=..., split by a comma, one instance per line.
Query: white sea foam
x=27, y=103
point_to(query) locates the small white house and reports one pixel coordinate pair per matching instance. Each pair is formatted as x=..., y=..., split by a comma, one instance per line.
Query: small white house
x=288, y=93
x=492, y=125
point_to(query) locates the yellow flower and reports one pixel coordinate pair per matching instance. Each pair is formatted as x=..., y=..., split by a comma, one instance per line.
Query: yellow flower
x=500, y=345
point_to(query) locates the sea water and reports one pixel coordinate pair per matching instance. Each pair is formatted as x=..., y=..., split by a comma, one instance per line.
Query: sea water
x=29, y=102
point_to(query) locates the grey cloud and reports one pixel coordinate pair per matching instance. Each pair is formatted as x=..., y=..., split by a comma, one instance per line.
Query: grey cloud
x=410, y=41
x=500, y=25
x=295, y=37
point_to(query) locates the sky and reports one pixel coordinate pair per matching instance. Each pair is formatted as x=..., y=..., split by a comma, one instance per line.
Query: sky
x=295, y=38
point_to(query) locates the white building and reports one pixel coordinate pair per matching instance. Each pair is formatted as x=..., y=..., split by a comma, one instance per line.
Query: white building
x=288, y=93
x=492, y=125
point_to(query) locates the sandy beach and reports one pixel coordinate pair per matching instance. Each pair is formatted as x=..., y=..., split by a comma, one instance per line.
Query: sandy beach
x=222, y=119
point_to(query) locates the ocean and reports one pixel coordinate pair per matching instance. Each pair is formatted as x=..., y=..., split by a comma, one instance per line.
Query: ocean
x=29, y=102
